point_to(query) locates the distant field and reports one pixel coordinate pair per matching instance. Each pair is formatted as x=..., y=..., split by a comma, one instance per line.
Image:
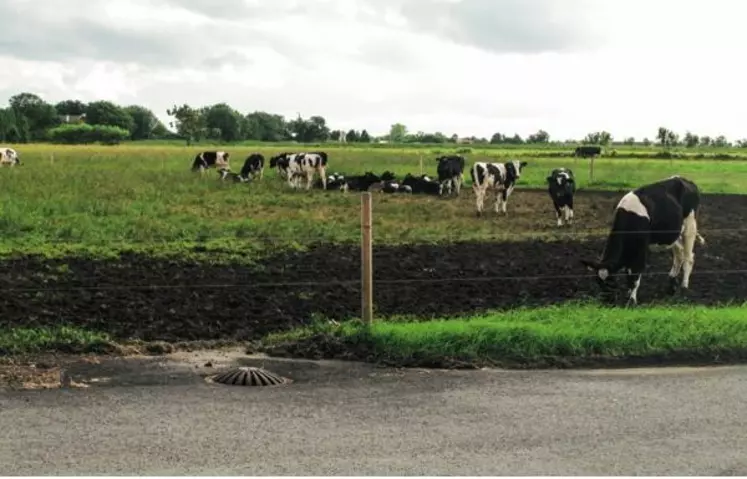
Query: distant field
x=145, y=196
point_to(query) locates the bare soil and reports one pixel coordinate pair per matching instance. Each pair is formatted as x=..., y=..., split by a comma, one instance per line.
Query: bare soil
x=139, y=297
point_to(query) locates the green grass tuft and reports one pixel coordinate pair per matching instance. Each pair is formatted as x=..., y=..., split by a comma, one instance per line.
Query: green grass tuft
x=568, y=334
x=63, y=339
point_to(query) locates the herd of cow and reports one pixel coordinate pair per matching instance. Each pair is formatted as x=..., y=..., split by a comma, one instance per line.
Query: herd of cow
x=661, y=213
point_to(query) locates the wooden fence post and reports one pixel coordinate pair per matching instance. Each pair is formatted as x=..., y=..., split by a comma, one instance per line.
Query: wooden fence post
x=366, y=259
x=591, y=170
x=421, y=164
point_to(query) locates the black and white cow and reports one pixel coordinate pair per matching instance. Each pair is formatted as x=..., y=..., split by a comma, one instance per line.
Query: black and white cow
x=367, y=180
x=423, y=184
x=280, y=162
x=499, y=177
x=254, y=166
x=451, y=173
x=588, y=151
x=9, y=156
x=305, y=165
x=209, y=159
x=335, y=181
x=561, y=185
x=225, y=174
x=661, y=213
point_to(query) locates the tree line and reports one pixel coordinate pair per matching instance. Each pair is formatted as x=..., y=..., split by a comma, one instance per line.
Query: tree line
x=29, y=118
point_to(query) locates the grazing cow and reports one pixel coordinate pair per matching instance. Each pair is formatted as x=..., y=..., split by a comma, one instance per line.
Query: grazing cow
x=500, y=177
x=661, y=213
x=562, y=186
x=208, y=159
x=253, y=166
x=423, y=184
x=281, y=162
x=305, y=165
x=588, y=151
x=9, y=156
x=451, y=172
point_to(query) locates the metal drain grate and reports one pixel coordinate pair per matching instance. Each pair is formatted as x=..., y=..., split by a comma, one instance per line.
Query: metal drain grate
x=249, y=376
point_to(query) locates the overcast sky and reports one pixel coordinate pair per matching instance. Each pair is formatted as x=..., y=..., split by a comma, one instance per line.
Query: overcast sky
x=455, y=66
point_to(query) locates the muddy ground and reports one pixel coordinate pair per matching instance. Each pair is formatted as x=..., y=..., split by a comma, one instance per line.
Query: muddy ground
x=143, y=298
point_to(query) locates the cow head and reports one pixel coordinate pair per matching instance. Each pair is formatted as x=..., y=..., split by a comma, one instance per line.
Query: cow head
x=603, y=274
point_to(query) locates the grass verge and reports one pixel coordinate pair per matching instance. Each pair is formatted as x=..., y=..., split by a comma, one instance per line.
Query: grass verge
x=563, y=336
x=62, y=339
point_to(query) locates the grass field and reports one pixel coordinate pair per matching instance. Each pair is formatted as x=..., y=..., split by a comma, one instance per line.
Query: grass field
x=134, y=195
x=128, y=243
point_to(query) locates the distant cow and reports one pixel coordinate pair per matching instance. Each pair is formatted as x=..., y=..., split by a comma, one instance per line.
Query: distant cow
x=254, y=166
x=209, y=159
x=305, y=165
x=451, y=172
x=562, y=186
x=662, y=213
x=423, y=184
x=280, y=162
x=587, y=151
x=500, y=177
x=9, y=156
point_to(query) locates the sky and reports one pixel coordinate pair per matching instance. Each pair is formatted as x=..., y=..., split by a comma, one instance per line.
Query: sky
x=470, y=67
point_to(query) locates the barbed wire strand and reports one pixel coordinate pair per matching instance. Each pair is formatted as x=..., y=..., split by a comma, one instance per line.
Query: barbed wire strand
x=291, y=284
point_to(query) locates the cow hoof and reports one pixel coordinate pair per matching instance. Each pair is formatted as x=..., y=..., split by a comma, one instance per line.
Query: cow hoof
x=673, y=286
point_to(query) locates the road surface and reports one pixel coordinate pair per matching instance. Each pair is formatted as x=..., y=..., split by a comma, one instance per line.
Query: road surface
x=338, y=419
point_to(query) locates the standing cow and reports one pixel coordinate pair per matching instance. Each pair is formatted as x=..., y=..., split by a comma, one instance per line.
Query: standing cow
x=294, y=167
x=561, y=185
x=9, y=156
x=662, y=213
x=210, y=159
x=450, y=173
x=499, y=177
x=254, y=166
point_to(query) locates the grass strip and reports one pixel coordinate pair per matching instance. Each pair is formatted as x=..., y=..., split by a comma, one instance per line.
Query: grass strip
x=560, y=336
x=62, y=339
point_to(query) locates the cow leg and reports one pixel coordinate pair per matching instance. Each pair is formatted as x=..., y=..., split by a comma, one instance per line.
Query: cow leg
x=689, y=234
x=677, y=262
x=261, y=173
x=479, y=198
x=559, y=214
x=634, y=282
x=569, y=212
x=504, y=202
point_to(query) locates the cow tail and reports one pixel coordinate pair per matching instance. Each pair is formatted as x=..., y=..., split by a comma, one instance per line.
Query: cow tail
x=701, y=240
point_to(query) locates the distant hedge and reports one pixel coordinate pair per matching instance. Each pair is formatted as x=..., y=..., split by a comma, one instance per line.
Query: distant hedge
x=84, y=133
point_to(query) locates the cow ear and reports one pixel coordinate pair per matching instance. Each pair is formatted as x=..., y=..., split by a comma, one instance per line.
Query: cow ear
x=523, y=164
x=549, y=179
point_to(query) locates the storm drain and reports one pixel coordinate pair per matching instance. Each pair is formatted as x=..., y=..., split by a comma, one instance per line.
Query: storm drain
x=249, y=376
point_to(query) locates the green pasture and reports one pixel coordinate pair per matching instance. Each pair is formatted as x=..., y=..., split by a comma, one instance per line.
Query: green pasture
x=144, y=196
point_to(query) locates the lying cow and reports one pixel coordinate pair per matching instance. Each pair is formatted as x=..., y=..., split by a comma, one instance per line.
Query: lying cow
x=210, y=159
x=662, y=213
x=499, y=177
x=9, y=156
x=335, y=181
x=368, y=179
x=423, y=184
x=561, y=185
x=226, y=174
x=450, y=173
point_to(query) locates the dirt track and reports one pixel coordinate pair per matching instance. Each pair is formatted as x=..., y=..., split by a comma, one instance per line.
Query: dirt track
x=218, y=302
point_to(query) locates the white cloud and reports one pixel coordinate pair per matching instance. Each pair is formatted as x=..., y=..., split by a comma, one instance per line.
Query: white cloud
x=455, y=66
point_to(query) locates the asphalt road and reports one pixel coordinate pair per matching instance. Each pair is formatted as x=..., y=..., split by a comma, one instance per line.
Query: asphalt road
x=355, y=420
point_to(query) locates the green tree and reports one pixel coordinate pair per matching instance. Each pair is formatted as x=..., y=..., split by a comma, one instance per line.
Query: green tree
x=262, y=126
x=540, y=137
x=309, y=131
x=705, y=141
x=629, y=141
x=365, y=137
x=398, y=133
x=691, y=140
x=188, y=122
x=144, y=122
x=602, y=138
x=104, y=112
x=352, y=136
x=38, y=114
x=497, y=139
x=223, y=122
x=721, y=142
x=70, y=107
